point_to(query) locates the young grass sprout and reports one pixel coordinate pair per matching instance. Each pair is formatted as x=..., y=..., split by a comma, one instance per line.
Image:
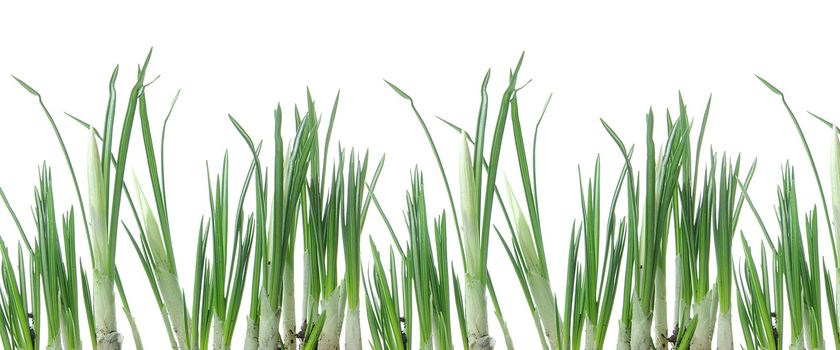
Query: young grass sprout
x=352, y=222
x=383, y=304
x=761, y=325
x=600, y=279
x=274, y=236
x=229, y=266
x=662, y=175
x=800, y=268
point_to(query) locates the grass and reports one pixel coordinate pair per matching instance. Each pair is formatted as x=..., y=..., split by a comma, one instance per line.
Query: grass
x=679, y=199
x=475, y=211
x=383, y=293
x=352, y=224
x=528, y=253
x=600, y=278
x=647, y=250
x=231, y=255
x=274, y=236
x=800, y=269
x=760, y=301
x=17, y=302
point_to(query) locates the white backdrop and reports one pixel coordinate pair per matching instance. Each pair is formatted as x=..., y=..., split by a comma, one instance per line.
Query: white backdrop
x=600, y=61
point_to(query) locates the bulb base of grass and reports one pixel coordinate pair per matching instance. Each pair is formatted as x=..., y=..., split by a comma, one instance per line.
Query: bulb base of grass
x=353, y=336
x=110, y=341
x=218, y=333
x=623, y=337
x=330, y=337
x=484, y=343
x=724, y=337
x=269, y=338
x=640, y=331
x=107, y=337
x=589, y=330
x=477, y=315
x=251, y=334
x=706, y=312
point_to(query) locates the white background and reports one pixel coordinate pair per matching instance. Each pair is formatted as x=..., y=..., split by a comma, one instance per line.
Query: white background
x=600, y=61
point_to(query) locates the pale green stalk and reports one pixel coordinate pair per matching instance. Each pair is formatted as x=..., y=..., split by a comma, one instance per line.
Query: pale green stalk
x=312, y=215
x=625, y=322
x=288, y=182
x=835, y=204
x=58, y=268
x=528, y=254
x=476, y=296
x=100, y=305
x=230, y=264
x=352, y=223
x=107, y=337
x=431, y=282
x=762, y=327
x=52, y=268
x=661, y=183
x=16, y=302
x=321, y=235
x=801, y=270
x=600, y=279
x=835, y=245
x=155, y=232
x=383, y=303
x=104, y=228
x=477, y=212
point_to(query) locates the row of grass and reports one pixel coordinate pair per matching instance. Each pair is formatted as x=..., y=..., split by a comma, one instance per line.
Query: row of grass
x=248, y=254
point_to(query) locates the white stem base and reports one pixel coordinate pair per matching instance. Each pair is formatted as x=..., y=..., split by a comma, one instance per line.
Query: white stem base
x=660, y=311
x=623, y=337
x=218, y=333
x=724, y=336
x=269, y=325
x=706, y=313
x=110, y=341
x=640, y=331
x=107, y=337
x=589, y=329
x=334, y=307
x=251, y=334
x=477, y=315
x=353, y=337
x=483, y=343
